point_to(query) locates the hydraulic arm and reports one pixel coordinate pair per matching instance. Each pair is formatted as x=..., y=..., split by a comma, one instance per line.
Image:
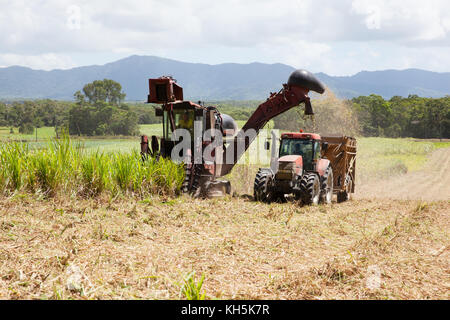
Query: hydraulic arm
x=292, y=94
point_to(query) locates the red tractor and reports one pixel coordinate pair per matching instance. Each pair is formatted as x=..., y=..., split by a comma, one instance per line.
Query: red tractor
x=306, y=166
x=226, y=144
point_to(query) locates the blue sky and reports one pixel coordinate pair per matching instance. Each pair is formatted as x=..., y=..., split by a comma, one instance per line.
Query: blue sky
x=338, y=37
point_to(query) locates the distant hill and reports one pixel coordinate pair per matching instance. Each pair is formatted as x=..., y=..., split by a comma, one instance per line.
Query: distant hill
x=229, y=81
x=390, y=83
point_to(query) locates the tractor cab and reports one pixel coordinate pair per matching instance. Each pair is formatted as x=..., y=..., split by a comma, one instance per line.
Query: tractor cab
x=306, y=145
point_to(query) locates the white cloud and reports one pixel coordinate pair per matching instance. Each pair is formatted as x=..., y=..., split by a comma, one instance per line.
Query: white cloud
x=372, y=12
x=413, y=22
x=47, y=61
x=303, y=33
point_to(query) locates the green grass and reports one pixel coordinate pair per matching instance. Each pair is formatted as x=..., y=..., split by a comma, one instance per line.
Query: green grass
x=191, y=289
x=382, y=157
x=42, y=133
x=439, y=145
x=92, y=144
x=112, y=145
x=65, y=166
x=240, y=123
x=151, y=129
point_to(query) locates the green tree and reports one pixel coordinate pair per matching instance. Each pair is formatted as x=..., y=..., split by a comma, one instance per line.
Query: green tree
x=26, y=128
x=413, y=116
x=3, y=114
x=106, y=90
x=100, y=111
x=376, y=112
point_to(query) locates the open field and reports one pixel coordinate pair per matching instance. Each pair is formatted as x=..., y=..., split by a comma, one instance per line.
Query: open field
x=105, y=144
x=431, y=182
x=127, y=249
x=390, y=242
x=92, y=143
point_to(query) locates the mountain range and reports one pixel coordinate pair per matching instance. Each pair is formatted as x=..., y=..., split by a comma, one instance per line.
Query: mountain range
x=228, y=81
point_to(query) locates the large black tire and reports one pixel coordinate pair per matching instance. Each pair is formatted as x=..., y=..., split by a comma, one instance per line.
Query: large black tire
x=262, y=189
x=326, y=195
x=345, y=195
x=310, y=189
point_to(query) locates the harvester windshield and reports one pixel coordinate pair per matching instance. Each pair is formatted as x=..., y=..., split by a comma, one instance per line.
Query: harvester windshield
x=184, y=119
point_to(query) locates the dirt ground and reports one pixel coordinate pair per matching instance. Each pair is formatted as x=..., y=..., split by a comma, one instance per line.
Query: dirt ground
x=124, y=249
x=432, y=183
x=380, y=245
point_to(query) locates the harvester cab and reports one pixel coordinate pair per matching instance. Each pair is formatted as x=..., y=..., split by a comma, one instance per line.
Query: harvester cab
x=176, y=113
x=195, y=119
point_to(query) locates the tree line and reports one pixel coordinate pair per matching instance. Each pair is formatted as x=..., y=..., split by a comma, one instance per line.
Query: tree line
x=370, y=116
x=99, y=109
x=27, y=115
x=403, y=117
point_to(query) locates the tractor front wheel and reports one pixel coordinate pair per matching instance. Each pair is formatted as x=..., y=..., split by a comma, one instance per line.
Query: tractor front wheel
x=310, y=189
x=262, y=189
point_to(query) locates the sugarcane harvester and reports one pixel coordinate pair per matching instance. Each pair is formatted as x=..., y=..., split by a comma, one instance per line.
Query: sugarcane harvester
x=224, y=146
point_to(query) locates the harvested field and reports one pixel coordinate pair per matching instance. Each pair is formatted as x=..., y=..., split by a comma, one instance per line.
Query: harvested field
x=430, y=183
x=124, y=249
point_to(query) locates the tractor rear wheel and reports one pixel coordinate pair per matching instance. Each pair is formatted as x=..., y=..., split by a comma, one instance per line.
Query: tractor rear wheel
x=310, y=189
x=327, y=186
x=345, y=195
x=262, y=189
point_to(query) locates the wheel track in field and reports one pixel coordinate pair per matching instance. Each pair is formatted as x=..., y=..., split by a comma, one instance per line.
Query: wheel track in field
x=431, y=183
